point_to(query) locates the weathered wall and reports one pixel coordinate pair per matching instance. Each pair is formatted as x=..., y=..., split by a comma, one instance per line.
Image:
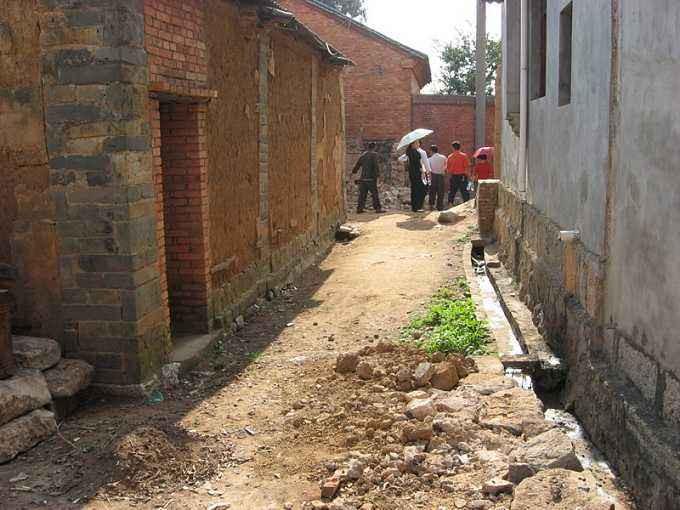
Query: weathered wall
x=28, y=239
x=568, y=145
x=451, y=118
x=378, y=88
x=330, y=145
x=605, y=165
x=643, y=280
x=98, y=143
x=290, y=129
x=105, y=196
x=233, y=157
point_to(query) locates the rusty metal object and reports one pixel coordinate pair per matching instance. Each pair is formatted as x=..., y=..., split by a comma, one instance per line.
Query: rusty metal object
x=7, y=363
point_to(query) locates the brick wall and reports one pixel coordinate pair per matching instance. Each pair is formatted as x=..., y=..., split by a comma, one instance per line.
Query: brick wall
x=175, y=41
x=487, y=201
x=378, y=88
x=185, y=204
x=451, y=118
x=155, y=127
x=109, y=185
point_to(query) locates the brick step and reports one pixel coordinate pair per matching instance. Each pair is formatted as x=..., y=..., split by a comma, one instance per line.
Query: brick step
x=35, y=353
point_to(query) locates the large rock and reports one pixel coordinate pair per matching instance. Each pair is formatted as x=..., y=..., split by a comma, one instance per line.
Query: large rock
x=423, y=373
x=22, y=393
x=420, y=408
x=35, y=353
x=24, y=433
x=448, y=217
x=445, y=377
x=347, y=362
x=69, y=377
x=487, y=384
x=560, y=489
x=516, y=410
x=550, y=450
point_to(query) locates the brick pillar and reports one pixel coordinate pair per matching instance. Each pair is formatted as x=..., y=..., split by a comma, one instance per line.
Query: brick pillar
x=185, y=200
x=155, y=124
x=98, y=140
x=487, y=201
x=263, y=227
x=313, y=173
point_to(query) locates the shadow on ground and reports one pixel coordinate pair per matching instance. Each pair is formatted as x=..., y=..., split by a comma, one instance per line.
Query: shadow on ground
x=69, y=469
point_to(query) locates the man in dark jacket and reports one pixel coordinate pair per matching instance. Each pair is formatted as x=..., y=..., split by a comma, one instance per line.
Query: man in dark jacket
x=370, y=170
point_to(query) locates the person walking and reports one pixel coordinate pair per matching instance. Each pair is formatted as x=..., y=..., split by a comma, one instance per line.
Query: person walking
x=415, y=159
x=369, y=162
x=457, y=167
x=439, y=178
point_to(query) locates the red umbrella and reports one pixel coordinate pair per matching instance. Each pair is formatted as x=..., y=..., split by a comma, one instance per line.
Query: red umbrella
x=484, y=151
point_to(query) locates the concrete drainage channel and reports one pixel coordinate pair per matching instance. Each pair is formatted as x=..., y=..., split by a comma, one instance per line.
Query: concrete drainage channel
x=526, y=357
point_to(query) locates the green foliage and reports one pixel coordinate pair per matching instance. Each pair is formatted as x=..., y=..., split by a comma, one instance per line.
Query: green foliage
x=449, y=324
x=352, y=8
x=255, y=355
x=460, y=67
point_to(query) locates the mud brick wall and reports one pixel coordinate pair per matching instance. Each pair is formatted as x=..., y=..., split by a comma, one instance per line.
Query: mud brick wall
x=98, y=141
x=28, y=236
x=451, y=118
x=625, y=412
x=330, y=146
x=143, y=158
x=378, y=88
x=233, y=157
x=290, y=129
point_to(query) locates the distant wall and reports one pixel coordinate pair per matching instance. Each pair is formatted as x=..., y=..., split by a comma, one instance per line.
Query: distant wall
x=451, y=118
x=378, y=88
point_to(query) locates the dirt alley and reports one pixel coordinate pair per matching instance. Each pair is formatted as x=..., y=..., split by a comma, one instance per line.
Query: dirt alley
x=360, y=294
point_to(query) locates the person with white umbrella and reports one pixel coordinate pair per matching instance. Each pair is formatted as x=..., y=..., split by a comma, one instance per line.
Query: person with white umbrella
x=418, y=166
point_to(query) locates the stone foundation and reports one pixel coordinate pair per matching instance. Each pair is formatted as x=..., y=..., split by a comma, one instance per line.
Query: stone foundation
x=622, y=396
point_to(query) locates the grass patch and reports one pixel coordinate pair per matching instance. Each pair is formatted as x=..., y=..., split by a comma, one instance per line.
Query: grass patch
x=255, y=355
x=449, y=324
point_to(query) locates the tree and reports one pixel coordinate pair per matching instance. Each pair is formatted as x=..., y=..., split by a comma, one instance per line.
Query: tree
x=458, y=75
x=352, y=8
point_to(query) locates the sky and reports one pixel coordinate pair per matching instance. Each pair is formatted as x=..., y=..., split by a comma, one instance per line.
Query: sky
x=425, y=25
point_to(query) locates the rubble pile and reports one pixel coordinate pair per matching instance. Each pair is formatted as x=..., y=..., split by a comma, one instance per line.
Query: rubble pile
x=43, y=380
x=419, y=431
x=392, y=197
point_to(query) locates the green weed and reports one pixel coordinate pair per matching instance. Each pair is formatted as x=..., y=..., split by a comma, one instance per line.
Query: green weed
x=449, y=324
x=254, y=356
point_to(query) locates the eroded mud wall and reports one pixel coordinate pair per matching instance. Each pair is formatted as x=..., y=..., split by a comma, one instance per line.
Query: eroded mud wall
x=290, y=124
x=28, y=240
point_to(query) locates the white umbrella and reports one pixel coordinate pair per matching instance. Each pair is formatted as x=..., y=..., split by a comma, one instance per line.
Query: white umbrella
x=418, y=134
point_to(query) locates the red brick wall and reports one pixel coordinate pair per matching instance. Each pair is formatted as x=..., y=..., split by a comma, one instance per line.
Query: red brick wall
x=155, y=125
x=175, y=42
x=378, y=87
x=451, y=118
x=185, y=200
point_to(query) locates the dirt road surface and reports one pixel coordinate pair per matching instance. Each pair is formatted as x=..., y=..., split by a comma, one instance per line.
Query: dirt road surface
x=233, y=420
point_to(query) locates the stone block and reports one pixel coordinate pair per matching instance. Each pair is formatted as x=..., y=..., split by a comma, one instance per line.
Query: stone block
x=68, y=378
x=549, y=450
x=35, y=353
x=640, y=369
x=22, y=393
x=671, y=401
x=24, y=433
